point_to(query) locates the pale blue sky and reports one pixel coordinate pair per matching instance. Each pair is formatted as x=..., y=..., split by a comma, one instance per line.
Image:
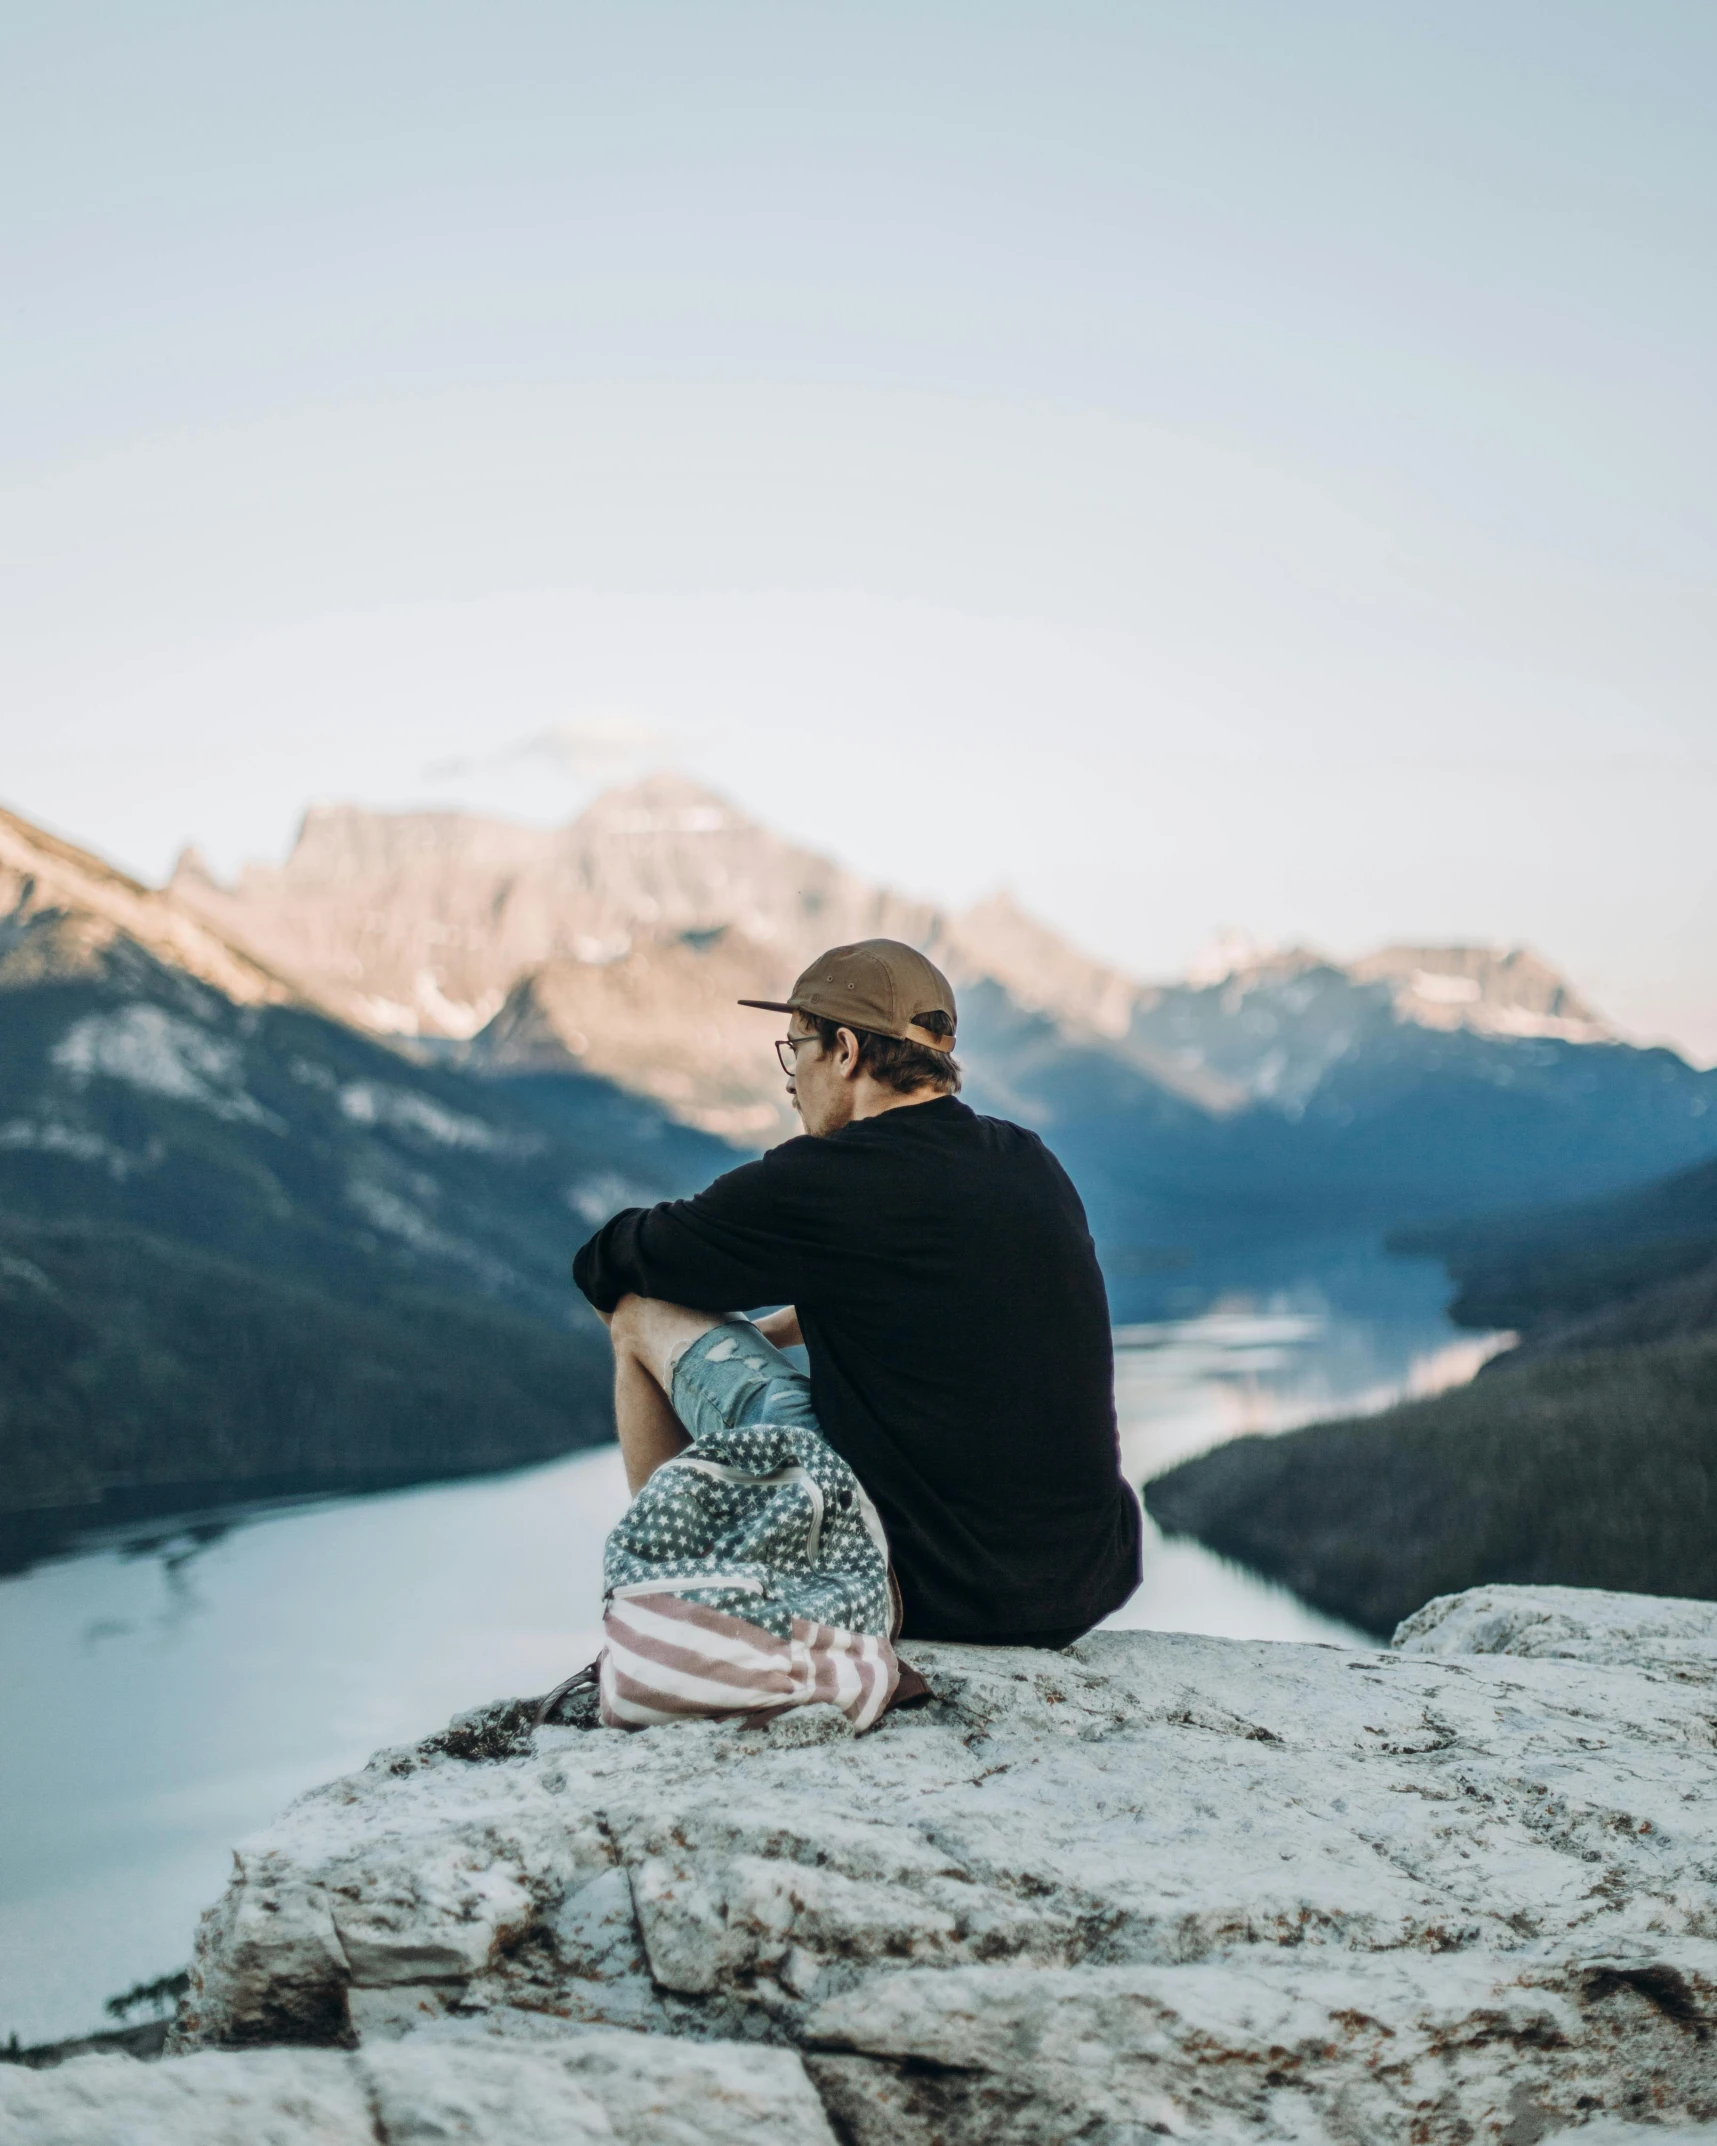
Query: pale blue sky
x=1198, y=464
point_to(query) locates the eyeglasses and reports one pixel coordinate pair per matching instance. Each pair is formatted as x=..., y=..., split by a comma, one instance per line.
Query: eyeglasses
x=787, y=1050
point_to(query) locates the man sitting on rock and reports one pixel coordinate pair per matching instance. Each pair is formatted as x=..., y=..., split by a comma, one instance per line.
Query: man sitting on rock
x=938, y=1269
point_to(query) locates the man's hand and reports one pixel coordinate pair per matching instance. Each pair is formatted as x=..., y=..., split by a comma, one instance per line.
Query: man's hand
x=781, y=1327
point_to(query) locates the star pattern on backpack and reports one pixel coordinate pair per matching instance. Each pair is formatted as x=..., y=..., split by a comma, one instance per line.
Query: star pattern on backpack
x=774, y=1516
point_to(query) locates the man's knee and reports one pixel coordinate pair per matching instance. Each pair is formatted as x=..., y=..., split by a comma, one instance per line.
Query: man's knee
x=626, y=1321
x=656, y=1332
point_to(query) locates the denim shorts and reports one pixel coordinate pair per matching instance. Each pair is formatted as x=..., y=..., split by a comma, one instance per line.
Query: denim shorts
x=731, y=1377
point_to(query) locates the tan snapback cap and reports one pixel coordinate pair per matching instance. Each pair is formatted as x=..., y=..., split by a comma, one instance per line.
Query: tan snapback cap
x=878, y=984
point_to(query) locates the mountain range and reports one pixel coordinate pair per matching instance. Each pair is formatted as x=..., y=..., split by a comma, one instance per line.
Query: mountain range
x=290, y=1170
x=581, y=942
x=1269, y=1094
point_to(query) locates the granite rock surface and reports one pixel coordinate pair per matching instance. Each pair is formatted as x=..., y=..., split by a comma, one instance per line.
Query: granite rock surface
x=1464, y=1888
x=589, y=2088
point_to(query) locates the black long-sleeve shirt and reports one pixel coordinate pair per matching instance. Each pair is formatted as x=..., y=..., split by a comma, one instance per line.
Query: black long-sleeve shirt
x=958, y=1334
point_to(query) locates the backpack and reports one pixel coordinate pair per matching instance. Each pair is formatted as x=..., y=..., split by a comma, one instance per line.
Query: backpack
x=749, y=1575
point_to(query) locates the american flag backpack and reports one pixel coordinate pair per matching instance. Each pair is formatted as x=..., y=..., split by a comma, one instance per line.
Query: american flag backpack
x=749, y=1575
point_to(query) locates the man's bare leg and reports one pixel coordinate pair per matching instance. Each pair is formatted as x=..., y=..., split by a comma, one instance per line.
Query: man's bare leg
x=649, y=1338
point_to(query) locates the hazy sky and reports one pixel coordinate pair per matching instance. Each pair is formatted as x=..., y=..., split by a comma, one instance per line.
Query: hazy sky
x=1197, y=464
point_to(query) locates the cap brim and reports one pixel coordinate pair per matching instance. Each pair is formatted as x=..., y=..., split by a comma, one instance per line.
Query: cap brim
x=767, y=1005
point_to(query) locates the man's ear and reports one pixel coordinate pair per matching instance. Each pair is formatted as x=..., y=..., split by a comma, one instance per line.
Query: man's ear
x=846, y=1053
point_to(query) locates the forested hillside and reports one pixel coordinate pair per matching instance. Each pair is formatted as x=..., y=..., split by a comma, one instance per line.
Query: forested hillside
x=1533, y=1271
x=1585, y=1456
x=245, y=1248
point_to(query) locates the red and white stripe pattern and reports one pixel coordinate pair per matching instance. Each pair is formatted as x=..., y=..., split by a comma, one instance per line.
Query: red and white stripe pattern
x=666, y=1659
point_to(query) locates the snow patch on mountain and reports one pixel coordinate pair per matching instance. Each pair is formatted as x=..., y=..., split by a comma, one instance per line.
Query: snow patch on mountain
x=160, y=1051
x=402, y=1110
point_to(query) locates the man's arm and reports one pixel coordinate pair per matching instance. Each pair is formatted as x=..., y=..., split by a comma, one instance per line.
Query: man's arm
x=734, y=1245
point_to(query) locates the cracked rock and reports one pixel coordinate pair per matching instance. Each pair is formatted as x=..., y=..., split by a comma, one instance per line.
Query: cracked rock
x=1461, y=1889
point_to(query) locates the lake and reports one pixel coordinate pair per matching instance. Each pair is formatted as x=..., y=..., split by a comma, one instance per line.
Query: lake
x=166, y=1692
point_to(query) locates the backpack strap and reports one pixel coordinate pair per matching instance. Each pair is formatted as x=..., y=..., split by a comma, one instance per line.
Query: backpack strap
x=581, y=1680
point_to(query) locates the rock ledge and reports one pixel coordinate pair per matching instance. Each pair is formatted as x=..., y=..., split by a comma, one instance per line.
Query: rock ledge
x=1158, y=1885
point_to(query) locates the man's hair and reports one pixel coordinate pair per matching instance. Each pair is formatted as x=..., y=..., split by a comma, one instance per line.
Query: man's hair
x=892, y=1061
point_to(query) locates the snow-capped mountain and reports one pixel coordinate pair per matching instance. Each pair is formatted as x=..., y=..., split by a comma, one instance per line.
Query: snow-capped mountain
x=621, y=941
x=1266, y=1092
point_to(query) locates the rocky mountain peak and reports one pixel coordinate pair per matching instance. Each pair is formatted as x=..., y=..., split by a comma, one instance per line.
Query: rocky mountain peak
x=620, y=941
x=1492, y=990
x=1043, y=970
x=64, y=912
x=422, y=922
x=663, y=1019
x=663, y=804
x=191, y=864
